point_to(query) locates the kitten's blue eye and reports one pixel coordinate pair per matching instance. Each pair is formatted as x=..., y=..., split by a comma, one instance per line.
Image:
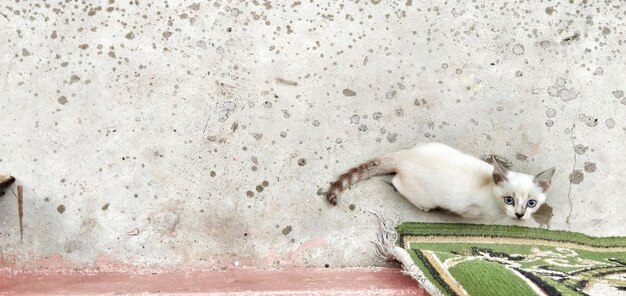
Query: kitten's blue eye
x=531, y=203
x=509, y=200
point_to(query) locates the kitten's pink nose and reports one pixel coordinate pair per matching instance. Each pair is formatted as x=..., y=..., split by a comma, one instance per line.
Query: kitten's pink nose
x=519, y=216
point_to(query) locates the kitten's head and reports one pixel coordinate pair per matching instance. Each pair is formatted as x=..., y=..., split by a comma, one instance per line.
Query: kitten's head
x=520, y=195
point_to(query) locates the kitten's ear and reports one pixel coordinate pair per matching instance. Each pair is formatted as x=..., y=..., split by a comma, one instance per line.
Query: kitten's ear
x=499, y=171
x=544, y=179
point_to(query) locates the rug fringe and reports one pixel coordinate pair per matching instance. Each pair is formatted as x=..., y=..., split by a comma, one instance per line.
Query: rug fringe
x=387, y=236
x=387, y=249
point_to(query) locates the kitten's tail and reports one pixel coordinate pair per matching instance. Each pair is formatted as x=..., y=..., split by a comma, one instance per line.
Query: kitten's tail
x=6, y=181
x=379, y=166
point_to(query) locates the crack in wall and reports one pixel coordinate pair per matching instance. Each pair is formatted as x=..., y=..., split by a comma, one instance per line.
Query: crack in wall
x=6, y=77
x=569, y=190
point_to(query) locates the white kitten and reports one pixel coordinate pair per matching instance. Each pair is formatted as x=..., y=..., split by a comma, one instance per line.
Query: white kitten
x=437, y=176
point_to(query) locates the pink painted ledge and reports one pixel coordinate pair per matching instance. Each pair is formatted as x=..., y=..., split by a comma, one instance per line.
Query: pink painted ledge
x=357, y=281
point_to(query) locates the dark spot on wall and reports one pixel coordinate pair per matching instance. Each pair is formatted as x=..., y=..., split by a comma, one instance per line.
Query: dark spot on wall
x=265, y=183
x=212, y=173
x=301, y=162
x=543, y=215
x=391, y=94
x=590, y=121
x=352, y=207
x=580, y=149
x=130, y=35
x=74, y=79
x=549, y=10
x=419, y=102
x=259, y=188
x=590, y=167
x=521, y=157
x=287, y=230
x=286, y=82
x=62, y=100
x=61, y=209
x=354, y=119
x=249, y=193
x=571, y=38
x=576, y=177
x=105, y=206
x=348, y=92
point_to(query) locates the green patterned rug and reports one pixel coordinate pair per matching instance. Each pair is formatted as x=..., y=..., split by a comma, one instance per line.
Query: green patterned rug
x=467, y=259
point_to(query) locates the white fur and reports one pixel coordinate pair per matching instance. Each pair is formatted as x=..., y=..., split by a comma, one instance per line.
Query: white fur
x=434, y=175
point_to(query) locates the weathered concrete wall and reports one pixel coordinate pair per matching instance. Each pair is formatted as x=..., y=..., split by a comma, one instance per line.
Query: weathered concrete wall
x=200, y=133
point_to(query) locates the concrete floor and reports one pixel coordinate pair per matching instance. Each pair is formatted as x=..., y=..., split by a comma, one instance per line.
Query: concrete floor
x=307, y=281
x=199, y=134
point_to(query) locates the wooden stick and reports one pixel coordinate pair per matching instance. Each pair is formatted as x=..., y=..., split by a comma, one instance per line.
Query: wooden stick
x=20, y=209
